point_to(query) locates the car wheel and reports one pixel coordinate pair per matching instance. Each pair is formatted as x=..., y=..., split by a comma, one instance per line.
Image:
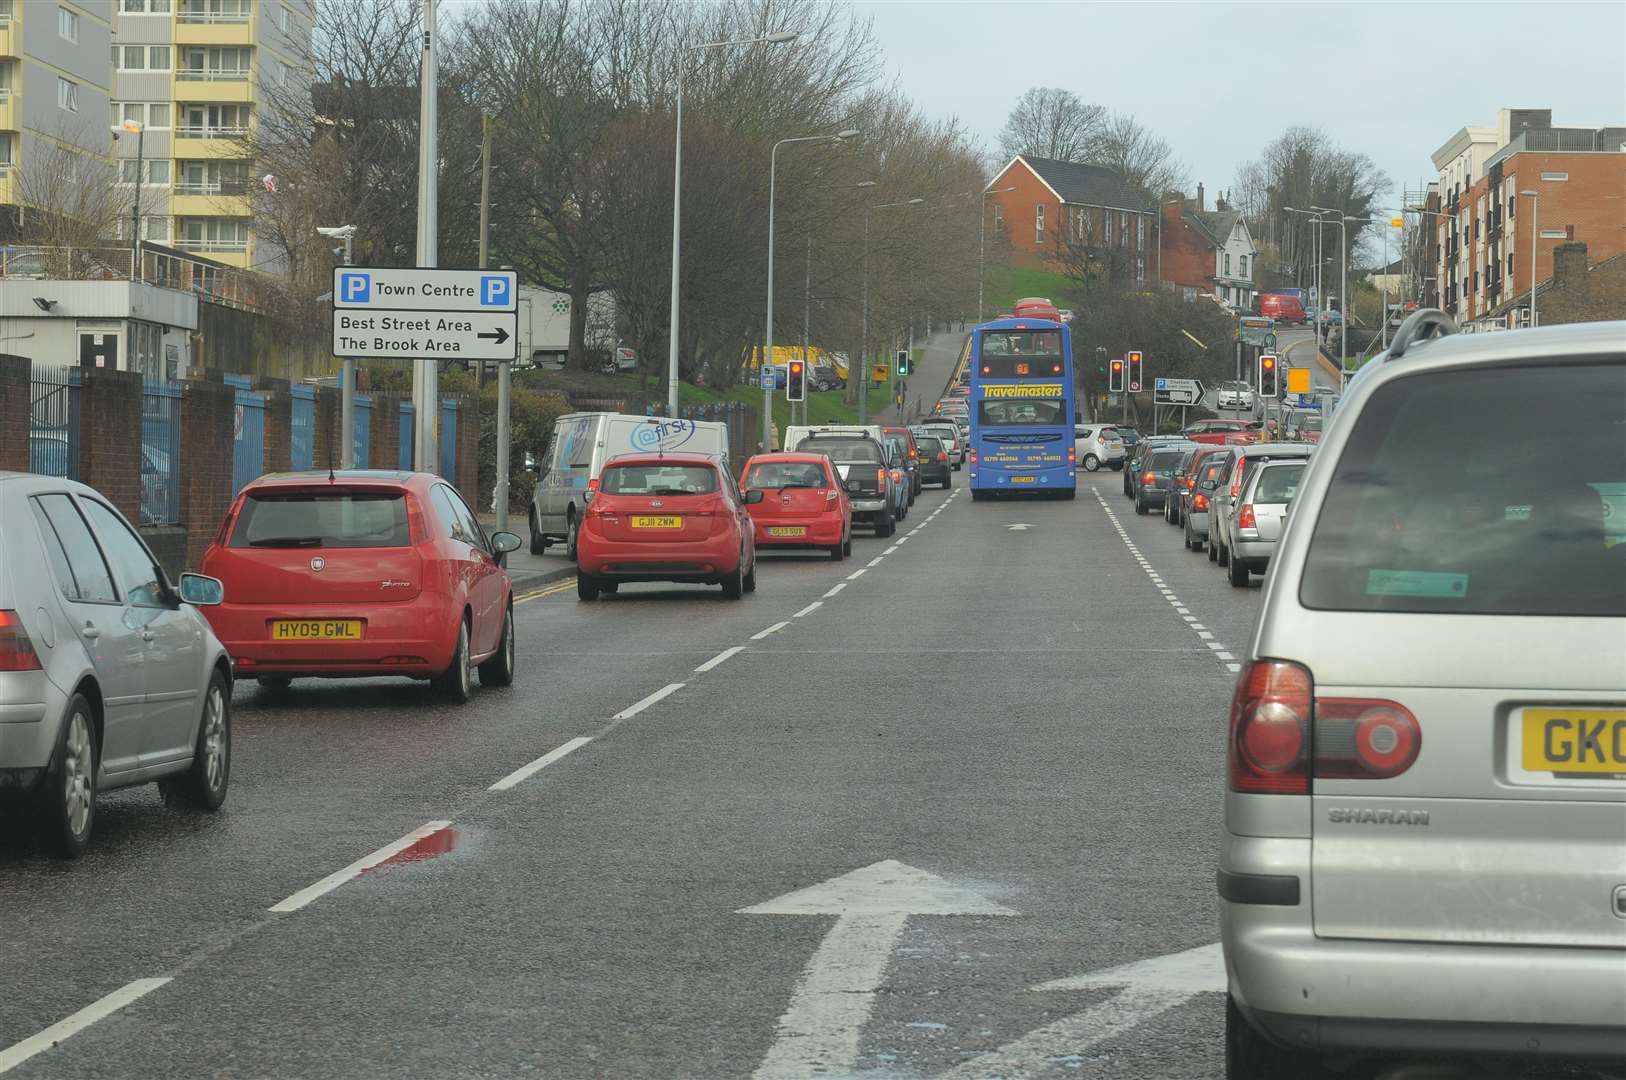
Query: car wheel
x=1213, y=551
x=838, y=552
x=69, y=794
x=1091, y=463
x=203, y=786
x=571, y=531
x=499, y=670
x=888, y=526
x=1238, y=572
x=1141, y=507
x=749, y=582
x=586, y=586
x=539, y=544
x=1117, y=466
x=1192, y=543
x=1224, y=556
x=734, y=582
x=847, y=546
x=456, y=683
x=1250, y=1056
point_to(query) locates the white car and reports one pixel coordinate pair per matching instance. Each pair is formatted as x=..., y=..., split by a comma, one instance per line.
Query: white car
x=1235, y=395
x=1097, y=445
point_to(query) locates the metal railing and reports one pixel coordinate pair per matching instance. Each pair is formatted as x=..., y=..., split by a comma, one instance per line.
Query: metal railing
x=195, y=16
x=211, y=187
x=212, y=245
x=210, y=75
x=53, y=420
x=207, y=132
x=160, y=452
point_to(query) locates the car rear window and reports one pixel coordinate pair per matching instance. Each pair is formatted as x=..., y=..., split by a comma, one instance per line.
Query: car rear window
x=658, y=479
x=782, y=474
x=328, y=519
x=1278, y=484
x=1480, y=492
x=928, y=445
x=1163, y=460
x=846, y=451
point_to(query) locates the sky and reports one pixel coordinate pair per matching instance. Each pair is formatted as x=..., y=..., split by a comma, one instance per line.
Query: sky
x=1220, y=80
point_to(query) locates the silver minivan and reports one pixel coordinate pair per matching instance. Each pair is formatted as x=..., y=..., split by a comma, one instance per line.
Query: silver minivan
x=109, y=676
x=1424, y=851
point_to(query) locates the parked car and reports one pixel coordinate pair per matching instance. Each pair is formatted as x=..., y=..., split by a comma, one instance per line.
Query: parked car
x=1233, y=473
x=1156, y=478
x=864, y=468
x=948, y=433
x=667, y=517
x=1284, y=308
x=1235, y=395
x=911, y=458
x=935, y=467
x=362, y=573
x=1430, y=711
x=109, y=675
x=804, y=503
x=1096, y=445
x=1266, y=497
x=1201, y=500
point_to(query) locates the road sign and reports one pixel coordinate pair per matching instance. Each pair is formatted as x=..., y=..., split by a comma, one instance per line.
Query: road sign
x=1298, y=380
x=1177, y=391
x=455, y=335
x=768, y=379
x=413, y=289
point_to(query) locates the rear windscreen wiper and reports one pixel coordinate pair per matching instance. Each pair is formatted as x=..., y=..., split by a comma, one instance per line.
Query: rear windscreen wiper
x=287, y=541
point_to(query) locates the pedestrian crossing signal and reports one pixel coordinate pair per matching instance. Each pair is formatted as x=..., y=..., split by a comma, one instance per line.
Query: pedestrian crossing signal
x=1115, y=377
x=796, y=381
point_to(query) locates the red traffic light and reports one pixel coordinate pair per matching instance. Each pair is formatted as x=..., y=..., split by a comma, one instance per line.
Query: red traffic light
x=1117, y=365
x=1269, y=362
x=796, y=366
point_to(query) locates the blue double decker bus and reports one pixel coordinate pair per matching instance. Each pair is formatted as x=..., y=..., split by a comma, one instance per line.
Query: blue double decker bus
x=1021, y=405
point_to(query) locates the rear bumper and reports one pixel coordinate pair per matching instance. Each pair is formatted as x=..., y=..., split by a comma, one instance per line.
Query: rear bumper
x=938, y=475
x=27, y=736
x=1199, y=521
x=697, y=560
x=1344, y=995
x=1256, y=552
x=414, y=639
x=868, y=506
x=821, y=532
x=1038, y=480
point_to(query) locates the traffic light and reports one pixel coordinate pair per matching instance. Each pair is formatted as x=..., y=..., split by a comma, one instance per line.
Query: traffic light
x=1134, y=371
x=1269, y=376
x=903, y=363
x=1115, y=377
x=796, y=381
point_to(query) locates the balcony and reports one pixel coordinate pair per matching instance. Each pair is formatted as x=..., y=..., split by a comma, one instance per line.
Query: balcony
x=8, y=109
x=209, y=143
x=210, y=200
x=208, y=86
x=213, y=28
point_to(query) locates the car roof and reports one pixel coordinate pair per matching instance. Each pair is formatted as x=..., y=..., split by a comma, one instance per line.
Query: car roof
x=1265, y=449
x=644, y=457
x=381, y=477
x=1544, y=345
x=804, y=457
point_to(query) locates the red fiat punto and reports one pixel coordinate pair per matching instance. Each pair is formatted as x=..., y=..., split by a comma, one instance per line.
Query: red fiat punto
x=666, y=517
x=802, y=505
x=362, y=573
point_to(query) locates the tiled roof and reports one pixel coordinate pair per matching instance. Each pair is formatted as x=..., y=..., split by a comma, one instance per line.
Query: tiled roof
x=1088, y=185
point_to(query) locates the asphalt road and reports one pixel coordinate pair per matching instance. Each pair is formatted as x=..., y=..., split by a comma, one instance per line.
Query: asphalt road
x=1029, y=715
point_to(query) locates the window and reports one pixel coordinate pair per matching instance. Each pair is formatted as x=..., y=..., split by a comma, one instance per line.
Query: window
x=7, y=11
x=142, y=57
x=213, y=177
x=1106, y=222
x=282, y=19
x=133, y=564
x=1242, y=266
x=156, y=169
x=1038, y=223
x=1077, y=214
x=999, y=217
x=1555, y=234
x=1227, y=270
x=322, y=519
x=145, y=7
x=153, y=114
x=67, y=25
x=1555, y=177
x=67, y=94
x=214, y=234
x=76, y=562
x=659, y=480
x=1123, y=227
x=158, y=115
x=1140, y=232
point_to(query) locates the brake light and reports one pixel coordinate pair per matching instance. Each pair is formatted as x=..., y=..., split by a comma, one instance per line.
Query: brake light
x=1236, y=478
x=1244, y=517
x=942, y=455
x=971, y=455
x=1149, y=478
x=1364, y=738
x=1055, y=369
x=16, y=650
x=1271, y=712
x=592, y=485
x=897, y=476
x=1199, y=501
x=880, y=479
x=416, y=527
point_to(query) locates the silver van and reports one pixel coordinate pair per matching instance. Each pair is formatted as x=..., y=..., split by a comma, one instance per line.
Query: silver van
x=1424, y=846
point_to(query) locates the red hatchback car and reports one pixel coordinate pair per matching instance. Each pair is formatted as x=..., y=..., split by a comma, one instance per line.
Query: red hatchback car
x=666, y=517
x=802, y=504
x=362, y=573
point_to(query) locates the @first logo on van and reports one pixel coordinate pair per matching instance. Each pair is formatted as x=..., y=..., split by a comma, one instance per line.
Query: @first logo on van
x=667, y=435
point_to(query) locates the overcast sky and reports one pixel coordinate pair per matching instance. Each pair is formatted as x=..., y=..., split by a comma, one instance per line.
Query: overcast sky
x=1219, y=80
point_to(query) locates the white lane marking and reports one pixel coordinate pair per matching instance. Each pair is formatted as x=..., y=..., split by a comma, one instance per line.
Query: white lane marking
x=525, y=772
x=732, y=650
x=1204, y=634
x=839, y=586
x=65, y=1029
x=1225, y=655
x=1233, y=667
x=1215, y=645
x=774, y=629
x=809, y=609
x=888, y=551
x=664, y=692
x=857, y=573
x=1182, y=611
x=366, y=862
x=875, y=561
x=902, y=540
x=1195, y=625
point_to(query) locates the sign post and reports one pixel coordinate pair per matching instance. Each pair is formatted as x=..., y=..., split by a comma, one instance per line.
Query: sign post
x=1177, y=391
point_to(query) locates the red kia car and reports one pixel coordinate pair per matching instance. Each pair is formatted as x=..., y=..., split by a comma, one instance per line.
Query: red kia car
x=361, y=573
x=802, y=503
x=666, y=517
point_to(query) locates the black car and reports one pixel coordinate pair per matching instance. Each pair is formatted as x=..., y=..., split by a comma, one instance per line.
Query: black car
x=1144, y=446
x=861, y=462
x=935, y=467
x=1154, y=476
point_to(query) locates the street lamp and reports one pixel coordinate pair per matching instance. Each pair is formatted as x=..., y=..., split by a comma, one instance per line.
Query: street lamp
x=137, y=128
x=1315, y=253
x=863, y=387
x=1339, y=219
x=677, y=202
x=1535, y=235
x=347, y=366
x=982, y=229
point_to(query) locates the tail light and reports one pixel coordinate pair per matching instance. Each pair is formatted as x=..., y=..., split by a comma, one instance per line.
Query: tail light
x=1199, y=501
x=880, y=479
x=1364, y=738
x=897, y=476
x=1245, y=518
x=1055, y=369
x=16, y=650
x=830, y=497
x=230, y=521
x=416, y=527
x=914, y=455
x=1271, y=712
x=942, y=455
x=971, y=455
x=1072, y=454
x=1149, y=478
x=1236, y=478
x=592, y=490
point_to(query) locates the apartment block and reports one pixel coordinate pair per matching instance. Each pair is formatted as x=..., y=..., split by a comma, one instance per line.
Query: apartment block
x=1489, y=226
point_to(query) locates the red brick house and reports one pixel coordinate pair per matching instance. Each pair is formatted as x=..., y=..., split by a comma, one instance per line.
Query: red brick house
x=1062, y=215
x=1208, y=251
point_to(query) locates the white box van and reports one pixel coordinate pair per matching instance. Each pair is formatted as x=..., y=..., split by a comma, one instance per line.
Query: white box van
x=583, y=442
x=795, y=434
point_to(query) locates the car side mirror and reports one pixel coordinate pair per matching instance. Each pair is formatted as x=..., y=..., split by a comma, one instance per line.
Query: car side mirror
x=504, y=542
x=200, y=590
x=753, y=496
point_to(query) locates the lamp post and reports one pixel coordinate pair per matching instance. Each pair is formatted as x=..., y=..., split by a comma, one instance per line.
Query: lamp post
x=347, y=366
x=1315, y=253
x=1535, y=235
x=140, y=131
x=677, y=204
x=1339, y=219
x=982, y=230
x=863, y=387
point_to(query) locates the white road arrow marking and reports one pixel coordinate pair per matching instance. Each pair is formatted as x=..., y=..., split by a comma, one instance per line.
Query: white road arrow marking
x=1148, y=988
x=1018, y=527
x=818, y=1033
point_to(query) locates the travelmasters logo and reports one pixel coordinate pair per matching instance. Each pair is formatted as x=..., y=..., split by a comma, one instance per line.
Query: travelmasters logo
x=1042, y=390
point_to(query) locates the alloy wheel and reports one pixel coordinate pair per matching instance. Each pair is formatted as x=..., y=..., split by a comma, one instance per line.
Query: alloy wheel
x=76, y=774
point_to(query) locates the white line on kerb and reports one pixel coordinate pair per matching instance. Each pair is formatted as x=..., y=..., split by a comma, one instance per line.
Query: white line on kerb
x=525, y=772
x=838, y=587
x=719, y=658
x=875, y=561
x=857, y=573
x=366, y=862
x=774, y=629
x=664, y=692
x=809, y=609
x=59, y=1032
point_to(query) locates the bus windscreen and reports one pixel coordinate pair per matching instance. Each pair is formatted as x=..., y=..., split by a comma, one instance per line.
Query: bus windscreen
x=1021, y=354
x=1023, y=412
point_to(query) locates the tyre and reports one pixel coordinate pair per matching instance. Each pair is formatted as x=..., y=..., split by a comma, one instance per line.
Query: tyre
x=1224, y=556
x=1213, y=551
x=586, y=587
x=1091, y=463
x=456, y=683
x=734, y=582
x=539, y=545
x=749, y=582
x=837, y=552
x=884, y=524
x=948, y=481
x=847, y=546
x=571, y=530
x=203, y=786
x=68, y=797
x=1238, y=572
x=1118, y=466
x=499, y=670
x=1250, y=1056
x=1140, y=506
x=1192, y=543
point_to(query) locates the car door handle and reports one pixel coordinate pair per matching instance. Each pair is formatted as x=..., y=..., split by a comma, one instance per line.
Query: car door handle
x=89, y=631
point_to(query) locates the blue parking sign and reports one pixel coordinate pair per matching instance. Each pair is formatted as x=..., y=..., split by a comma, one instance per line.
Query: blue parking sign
x=494, y=291
x=1162, y=384
x=355, y=287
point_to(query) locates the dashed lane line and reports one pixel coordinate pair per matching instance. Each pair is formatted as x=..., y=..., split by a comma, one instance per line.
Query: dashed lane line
x=774, y=629
x=719, y=658
x=326, y=885
x=838, y=587
x=526, y=771
x=809, y=609
x=660, y=695
x=64, y=1029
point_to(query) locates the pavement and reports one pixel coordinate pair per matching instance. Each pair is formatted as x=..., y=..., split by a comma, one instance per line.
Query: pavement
x=939, y=353
x=910, y=814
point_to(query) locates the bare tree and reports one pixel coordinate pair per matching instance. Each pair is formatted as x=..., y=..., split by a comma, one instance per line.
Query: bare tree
x=1128, y=147
x=1048, y=122
x=69, y=204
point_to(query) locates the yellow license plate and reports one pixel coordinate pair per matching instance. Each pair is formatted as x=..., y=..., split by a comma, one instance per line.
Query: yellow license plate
x=1022, y=479
x=316, y=630
x=1571, y=741
x=787, y=530
x=643, y=521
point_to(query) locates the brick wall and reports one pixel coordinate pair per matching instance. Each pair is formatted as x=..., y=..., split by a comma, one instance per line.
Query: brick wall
x=14, y=413
x=110, y=436
x=1580, y=293
x=1019, y=215
x=1589, y=207
x=1188, y=254
x=384, y=432
x=279, y=417
x=467, y=480
x=208, y=411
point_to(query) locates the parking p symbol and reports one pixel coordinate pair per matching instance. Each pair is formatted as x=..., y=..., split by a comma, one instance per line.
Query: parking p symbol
x=355, y=288
x=494, y=291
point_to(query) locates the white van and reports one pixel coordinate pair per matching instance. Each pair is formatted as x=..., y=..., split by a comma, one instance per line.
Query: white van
x=583, y=442
x=795, y=434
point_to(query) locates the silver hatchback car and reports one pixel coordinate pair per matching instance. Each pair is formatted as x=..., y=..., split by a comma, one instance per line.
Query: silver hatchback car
x=109, y=676
x=1424, y=851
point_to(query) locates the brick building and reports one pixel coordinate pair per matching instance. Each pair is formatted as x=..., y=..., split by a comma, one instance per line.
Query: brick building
x=1485, y=232
x=1062, y=215
x=1208, y=251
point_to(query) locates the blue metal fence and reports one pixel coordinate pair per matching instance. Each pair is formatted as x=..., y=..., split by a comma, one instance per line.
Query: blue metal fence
x=302, y=428
x=448, y=439
x=248, y=439
x=160, y=452
x=404, y=457
x=362, y=435
x=53, y=420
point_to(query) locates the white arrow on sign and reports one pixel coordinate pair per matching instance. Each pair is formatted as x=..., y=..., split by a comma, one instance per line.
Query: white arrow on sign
x=1147, y=988
x=818, y=1033
x=1018, y=527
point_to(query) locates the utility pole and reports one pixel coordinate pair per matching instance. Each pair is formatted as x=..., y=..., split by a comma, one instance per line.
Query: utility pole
x=425, y=386
x=807, y=321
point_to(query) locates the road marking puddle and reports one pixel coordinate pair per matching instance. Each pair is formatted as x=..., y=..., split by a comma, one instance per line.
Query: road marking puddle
x=326, y=885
